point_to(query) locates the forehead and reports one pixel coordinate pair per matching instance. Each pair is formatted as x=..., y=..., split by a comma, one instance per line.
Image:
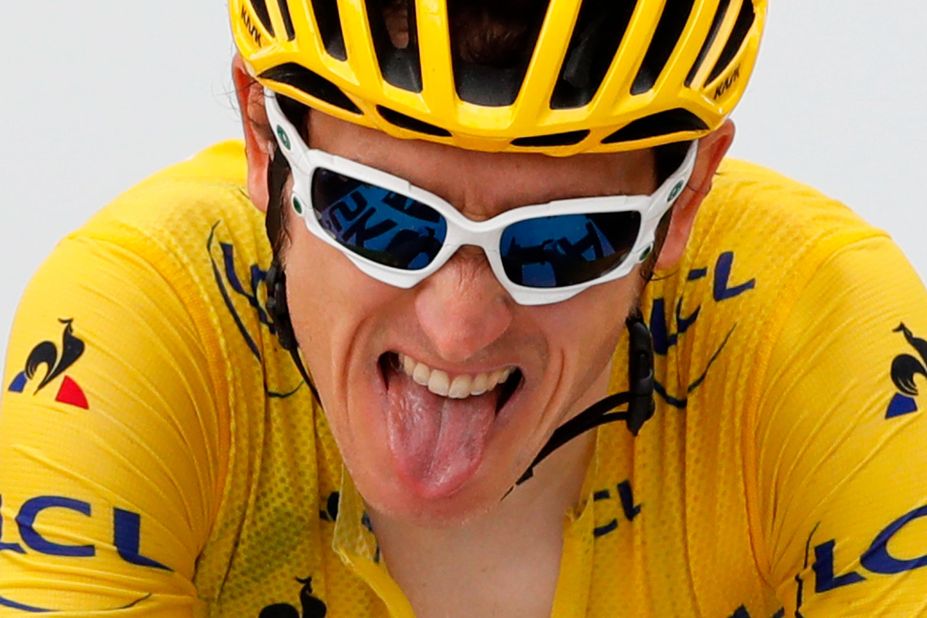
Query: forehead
x=482, y=182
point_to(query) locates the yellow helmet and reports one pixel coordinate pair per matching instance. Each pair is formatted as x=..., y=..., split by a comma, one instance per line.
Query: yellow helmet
x=602, y=75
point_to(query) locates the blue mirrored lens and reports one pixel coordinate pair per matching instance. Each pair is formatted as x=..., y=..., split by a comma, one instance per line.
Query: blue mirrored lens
x=381, y=225
x=564, y=250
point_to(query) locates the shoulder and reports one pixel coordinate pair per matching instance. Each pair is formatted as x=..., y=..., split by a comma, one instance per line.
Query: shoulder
x=115, y=395
x=774, y=221
x=194, y=224
x=758, y=241
x=180, y=208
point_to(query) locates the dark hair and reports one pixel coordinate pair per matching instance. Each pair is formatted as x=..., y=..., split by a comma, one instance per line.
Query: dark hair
x=667, y=159
x=484, y=32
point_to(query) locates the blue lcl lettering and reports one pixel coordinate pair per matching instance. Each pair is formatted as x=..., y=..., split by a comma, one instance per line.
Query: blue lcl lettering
x=127, y=537
x=824, y=578
x=630, y=509
x=721, y=289
x=127, y=532
x=15, y=547
x=31, y=510
x=878, y=560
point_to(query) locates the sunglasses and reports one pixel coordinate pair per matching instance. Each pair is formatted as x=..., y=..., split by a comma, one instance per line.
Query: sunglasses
x=400, y=234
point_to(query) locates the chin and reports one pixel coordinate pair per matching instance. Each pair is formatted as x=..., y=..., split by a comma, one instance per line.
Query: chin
x=429, y=460
x=388, y=498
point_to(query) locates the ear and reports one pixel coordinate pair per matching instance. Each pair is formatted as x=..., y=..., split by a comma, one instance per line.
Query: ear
x=258, y=139
x=711, y=150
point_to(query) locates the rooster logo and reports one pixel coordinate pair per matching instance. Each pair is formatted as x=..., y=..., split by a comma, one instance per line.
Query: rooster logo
x=904, y=368
x=312, y=607
x=47, y=356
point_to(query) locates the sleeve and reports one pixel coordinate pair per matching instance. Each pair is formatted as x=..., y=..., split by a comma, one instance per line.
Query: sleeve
x=841, y=441
x=111, y=445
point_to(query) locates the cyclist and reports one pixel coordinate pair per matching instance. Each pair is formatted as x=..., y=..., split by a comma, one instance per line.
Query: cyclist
x=504, y=335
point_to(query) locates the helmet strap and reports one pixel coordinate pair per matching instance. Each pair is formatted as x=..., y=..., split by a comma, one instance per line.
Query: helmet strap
x=277, y=173
x=638, y=397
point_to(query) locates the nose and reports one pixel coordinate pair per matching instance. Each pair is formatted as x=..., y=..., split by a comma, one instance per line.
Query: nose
x=463, y=308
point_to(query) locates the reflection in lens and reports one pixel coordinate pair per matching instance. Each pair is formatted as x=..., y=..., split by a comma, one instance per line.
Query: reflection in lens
x=563, y=250
x=381, y=225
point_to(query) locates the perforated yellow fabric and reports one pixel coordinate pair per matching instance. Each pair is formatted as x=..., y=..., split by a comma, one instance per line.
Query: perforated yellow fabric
x=160, y=456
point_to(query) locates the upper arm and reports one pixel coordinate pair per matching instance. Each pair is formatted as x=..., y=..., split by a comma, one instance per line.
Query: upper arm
x=841, y=441
x=111, y=443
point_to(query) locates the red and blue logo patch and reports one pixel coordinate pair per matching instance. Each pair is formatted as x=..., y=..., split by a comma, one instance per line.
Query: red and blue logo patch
x=55, y=362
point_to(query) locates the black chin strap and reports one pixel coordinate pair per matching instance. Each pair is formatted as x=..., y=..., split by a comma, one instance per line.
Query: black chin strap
x=639, y=397
x=277, y=308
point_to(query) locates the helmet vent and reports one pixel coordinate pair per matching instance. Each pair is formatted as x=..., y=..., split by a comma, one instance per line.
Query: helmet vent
x=720, y=13
x=260, y=9
x=412, y=124
x=489, y=86
x=329, y=21
x=672, y=22
x=311, y=83
x=287, y=19
x=492, y=43
x=400, y=66
x=663, y=123
x=742, y=28
x=555, y=139
x=599, y=29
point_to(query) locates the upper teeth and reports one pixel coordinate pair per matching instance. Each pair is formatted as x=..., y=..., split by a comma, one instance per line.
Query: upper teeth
x=460, y=387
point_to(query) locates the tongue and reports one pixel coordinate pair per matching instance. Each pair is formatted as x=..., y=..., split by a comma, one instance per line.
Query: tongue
x=437, y=442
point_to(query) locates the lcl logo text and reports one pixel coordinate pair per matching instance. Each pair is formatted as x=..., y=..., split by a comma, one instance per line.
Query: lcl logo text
x=876, y=560
x=126, y=531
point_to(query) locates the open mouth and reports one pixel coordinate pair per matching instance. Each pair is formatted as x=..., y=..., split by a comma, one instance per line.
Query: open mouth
x=438, y=424
x=501, y=384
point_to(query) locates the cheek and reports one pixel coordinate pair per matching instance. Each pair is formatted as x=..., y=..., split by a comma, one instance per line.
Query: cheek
x=587, y=328
x=331, y=305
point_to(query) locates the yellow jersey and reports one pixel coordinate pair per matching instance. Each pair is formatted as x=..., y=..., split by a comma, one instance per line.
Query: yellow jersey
x=161, y=456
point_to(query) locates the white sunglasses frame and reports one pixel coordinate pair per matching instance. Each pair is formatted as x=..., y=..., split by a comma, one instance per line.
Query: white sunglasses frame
x=463, y=231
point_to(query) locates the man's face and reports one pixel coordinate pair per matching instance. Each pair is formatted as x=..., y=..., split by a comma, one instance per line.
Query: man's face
x=422, y=456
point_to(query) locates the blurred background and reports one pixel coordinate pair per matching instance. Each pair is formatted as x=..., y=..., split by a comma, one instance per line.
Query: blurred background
x=99, y=94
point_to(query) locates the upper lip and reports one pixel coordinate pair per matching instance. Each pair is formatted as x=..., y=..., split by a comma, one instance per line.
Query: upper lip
x=455, y=370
